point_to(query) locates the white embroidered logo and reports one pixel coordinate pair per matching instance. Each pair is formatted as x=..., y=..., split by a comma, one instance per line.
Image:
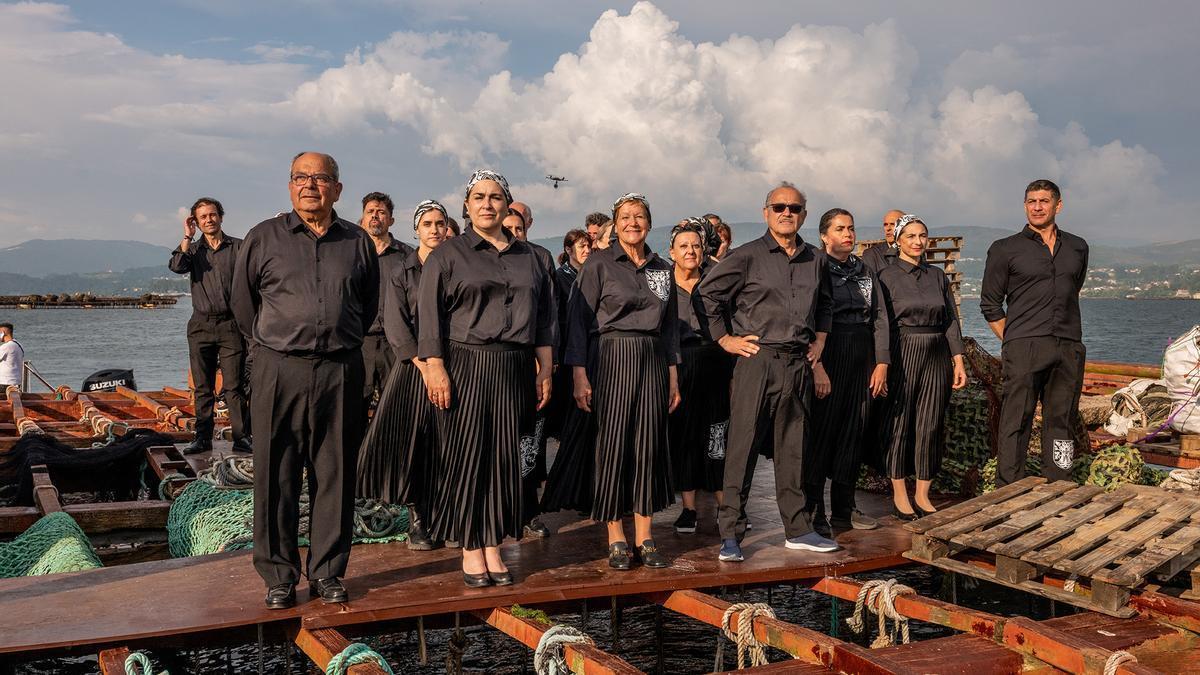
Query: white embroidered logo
x=529, y=448
x=864, y=287
x=659, y=282
x=1064, y=453
x=716, y=439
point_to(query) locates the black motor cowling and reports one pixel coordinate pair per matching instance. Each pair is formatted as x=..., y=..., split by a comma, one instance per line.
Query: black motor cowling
x=108, y=380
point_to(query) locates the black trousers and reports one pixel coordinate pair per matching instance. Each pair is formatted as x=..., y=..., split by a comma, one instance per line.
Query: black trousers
x=306, y=415
x=1049, y=370
x=377, y=356
x=769, y=405
x=214, y=341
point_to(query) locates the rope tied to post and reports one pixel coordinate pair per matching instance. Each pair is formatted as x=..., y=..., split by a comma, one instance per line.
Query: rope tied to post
x=549, y=657
x=1116, y=659
x=137, y=663
x=354, y=654
x=879, y=597
x=747, y=644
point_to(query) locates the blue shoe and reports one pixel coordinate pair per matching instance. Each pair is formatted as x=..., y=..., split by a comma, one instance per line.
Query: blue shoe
x=730, y=551
x=812, y=542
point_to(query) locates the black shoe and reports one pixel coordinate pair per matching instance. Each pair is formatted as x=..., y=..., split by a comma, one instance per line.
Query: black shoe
x=820, y=525
x=418, y=538
x=281, y=596
x=501, y=578
x=902, y=516
x=686, y=522
x=536, y=528
x=619, y=556
x=243, y=445
x=857, y=520
x=477, y=580
x=922, y=512
x=331, y=590
x=199, y=444
x=650, y=556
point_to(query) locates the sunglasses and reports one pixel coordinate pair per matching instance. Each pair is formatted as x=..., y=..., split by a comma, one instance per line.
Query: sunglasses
x=794, y=209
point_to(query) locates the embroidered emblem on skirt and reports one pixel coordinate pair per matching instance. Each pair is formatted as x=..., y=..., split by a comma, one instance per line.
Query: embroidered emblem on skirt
x=716, y=439
x=529, y=448
x=1064, y=453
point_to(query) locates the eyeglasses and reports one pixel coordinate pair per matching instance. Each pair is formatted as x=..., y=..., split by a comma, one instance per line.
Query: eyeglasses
x=321, y=179
x=794, y=209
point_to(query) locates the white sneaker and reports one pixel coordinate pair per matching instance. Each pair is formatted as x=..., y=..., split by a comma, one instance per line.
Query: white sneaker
x=812, y=542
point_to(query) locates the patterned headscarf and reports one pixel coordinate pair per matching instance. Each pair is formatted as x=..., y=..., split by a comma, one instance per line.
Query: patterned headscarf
x=903, y=222
x=631, y=197
x=687, y=225
x=485, y=174
x=425, y=207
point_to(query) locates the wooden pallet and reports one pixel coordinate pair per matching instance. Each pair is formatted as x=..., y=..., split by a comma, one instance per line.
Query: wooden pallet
x=1044, y=535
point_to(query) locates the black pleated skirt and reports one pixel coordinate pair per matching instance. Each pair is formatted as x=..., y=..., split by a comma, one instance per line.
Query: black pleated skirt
x=699, y=426
x=562, y=401
x=395, y=462
x=633, y=458
x=841, y=420
x=477, y=498
x=569, y=481
x=919, y=383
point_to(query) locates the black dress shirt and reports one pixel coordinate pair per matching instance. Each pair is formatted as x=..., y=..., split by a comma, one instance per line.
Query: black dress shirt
x=878, y=256
x=391, y=258
x=858, y=301
x=400, y=305
x=473, y=293
x=919, y=296
x=211, y=272
x=758, y=290
x=614, y=295
x=693, y=321
x=565, y=276
x=299, y=294
x=1040, y=287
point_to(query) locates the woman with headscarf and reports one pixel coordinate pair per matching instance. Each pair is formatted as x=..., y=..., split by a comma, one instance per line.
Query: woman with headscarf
x=927, y=361
x=623, y=319
x=394, y=465
x=698, y=426
x=851, y=373
x=486, y=315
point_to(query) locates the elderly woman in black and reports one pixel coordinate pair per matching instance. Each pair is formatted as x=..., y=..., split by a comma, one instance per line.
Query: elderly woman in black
x=624, y=311
x=927, y=361
x=852, y=371
x=486, y=313
x=394, y=464
x=698, y=426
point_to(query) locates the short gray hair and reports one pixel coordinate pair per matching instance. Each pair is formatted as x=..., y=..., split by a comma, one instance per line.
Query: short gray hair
x=783, y=184
x=329, y=160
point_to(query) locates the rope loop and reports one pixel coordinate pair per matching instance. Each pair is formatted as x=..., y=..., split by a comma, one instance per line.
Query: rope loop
x=164, y=486
x=1116, y=659
x=747, y=644
x=354, y=654
x=878, y=597
x=137, y=663
x=548, y=658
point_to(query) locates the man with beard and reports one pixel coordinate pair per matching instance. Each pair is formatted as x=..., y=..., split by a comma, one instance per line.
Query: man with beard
x=377, y=353
x=880, y=255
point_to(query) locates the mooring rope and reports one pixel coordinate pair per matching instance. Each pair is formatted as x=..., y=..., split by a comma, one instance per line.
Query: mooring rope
x=164, y=486
x=879, y=597
x=354, y=654
x=137, y=663
x=1116, y=659
x=747, y=644
x=549, y=658
x=230, y=473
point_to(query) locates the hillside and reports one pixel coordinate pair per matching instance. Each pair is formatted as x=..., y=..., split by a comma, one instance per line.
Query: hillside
x=46, y=257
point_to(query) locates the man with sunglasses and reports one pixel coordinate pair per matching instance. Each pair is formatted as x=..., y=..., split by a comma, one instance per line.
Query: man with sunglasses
x=769, y=304
x=306, y=290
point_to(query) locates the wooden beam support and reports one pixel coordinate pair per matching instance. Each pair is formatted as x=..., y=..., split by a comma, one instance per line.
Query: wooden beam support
x=171, y=416
x=112, y=661
x=93, y=518
x=1167, y=609
x=583, y=659
x=45, y=495
x=322, y=644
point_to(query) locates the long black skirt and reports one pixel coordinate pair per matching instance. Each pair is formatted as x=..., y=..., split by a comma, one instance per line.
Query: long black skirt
x=699, y=426
x=633, y=458
x=840, y=420
x=569, y=482
x=478, y=489
x=919, y=383
x=562, y=401
x=395, y=461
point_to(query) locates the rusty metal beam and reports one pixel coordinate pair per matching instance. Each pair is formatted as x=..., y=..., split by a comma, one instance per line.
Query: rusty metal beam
x=921, y=608
x=1167, y=609
x=170, y=416
x=112, y=661
x=583, y=659
x=322, y=644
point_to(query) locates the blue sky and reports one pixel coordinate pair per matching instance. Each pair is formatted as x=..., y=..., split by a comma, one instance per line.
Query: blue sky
x=120, y=113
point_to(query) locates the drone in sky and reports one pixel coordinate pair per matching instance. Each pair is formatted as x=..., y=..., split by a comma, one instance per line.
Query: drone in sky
x=557, y=180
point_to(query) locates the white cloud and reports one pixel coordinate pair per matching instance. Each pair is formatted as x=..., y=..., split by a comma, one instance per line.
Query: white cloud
x=271, y=51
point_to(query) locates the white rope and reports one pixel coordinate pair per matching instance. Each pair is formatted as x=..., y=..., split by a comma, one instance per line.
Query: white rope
x=1116, y=659
x=747, y=644
x=879, y=597
x=1069, y=584
x=1182, y=480
x=548, y=658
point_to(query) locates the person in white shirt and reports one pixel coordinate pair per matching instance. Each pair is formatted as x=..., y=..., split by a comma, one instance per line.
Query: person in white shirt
x=12, y=356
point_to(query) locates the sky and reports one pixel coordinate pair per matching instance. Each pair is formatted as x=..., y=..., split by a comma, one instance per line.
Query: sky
x=117, y=115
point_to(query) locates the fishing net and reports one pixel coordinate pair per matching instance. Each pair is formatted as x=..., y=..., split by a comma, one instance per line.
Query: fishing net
x=1109, y=468
x=968, y=442
x=55, y=543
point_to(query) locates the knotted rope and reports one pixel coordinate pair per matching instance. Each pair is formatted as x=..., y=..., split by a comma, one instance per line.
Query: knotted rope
x=744, y=637
x=1116, y=659
x=879, y=597
x=549, y=658
x=164, y=486
x=138, y=663
x=354, y=654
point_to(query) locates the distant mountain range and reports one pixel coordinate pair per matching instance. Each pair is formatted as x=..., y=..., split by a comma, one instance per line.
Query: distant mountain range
x=47, y=257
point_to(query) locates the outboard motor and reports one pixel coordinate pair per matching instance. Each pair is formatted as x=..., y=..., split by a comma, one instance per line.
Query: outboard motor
x=108, y=380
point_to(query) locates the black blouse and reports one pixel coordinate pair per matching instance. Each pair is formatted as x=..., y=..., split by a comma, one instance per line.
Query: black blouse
x=473, y=293
x=693, y=321
x=858, y=301
x=565, y=276
x=919, y=296
x=400, y=306
x=614, y=295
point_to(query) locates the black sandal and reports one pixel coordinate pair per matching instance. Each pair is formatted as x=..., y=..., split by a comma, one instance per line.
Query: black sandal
x=619, y=556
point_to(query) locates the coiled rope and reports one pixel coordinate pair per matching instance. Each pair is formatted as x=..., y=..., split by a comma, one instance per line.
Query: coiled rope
x=549, y=657
x=1182, y=480
x=164, y=486
x=747, y=644
x=354, y=654
x=137, y=663
x=1116, y=659
x=230, y=473
x=879, y=597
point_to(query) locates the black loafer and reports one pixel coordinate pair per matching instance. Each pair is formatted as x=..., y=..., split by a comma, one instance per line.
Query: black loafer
x=537, y=529
x=330, y=590
x=281, y=596
x=922, y=512
x=418, y=538
x=197, y=446
x=650, y=556
x=243, y=445
x=501, y=578
x=477, y=580
x=619, y=556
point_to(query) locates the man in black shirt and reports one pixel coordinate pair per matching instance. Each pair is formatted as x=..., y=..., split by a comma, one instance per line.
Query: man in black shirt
x=880, y=255
x=1038, y=273
x=306, y=289
x=769, y=303
x=213, y=337
x=377, y=354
